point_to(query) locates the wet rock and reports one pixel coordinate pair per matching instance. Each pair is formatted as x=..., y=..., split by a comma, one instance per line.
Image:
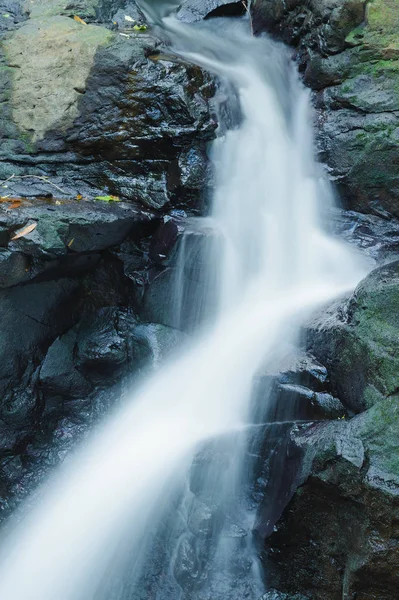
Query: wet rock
x=187, y=568
x=276, y=473
x=66, y=239
x=358, y=341
x=58, y=373
x=295, y=387
x=375, y=236
x=14, y=268
x=12, y=14
x=201, y=519
x=339, y=533
x=102, y=343
x=296, y=402
x=164, y=239
x=31, y=316
x=128, y=17
x=47, y=98
x=132, y=123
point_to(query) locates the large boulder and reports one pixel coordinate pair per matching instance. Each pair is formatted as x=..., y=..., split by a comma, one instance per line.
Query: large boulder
x=51, y=59
x=359, y=343
x=99, y=108
x=348, y=51
x=338, y=537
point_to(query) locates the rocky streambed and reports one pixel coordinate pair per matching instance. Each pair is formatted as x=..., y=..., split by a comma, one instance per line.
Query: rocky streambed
x=103, y=162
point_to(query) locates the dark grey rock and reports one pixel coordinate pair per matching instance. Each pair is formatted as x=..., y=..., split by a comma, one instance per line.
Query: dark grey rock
x=375, y=236
x=102, y=343
x=14, y=268
x=296, y=402
x=58, y=373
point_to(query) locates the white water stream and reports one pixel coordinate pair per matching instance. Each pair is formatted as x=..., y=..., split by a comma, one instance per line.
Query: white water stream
x=276, y=264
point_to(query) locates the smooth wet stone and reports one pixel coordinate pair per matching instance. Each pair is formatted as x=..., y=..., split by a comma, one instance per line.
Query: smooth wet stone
x=31, y=317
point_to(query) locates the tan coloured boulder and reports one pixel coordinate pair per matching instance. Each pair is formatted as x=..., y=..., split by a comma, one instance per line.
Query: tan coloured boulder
x=51, y=60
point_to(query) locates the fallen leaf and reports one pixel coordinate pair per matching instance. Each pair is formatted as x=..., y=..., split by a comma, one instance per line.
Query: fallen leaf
x=15, y=204
x=79, y=20
x=124, y=35
x=140, y=27
x=127, y=18
x=71, y=242
x=4, y=198
x=24, y=231
x=108, y=198
x=79, y=197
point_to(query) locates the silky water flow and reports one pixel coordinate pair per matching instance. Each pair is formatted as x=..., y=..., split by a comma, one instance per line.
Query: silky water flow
x=154, y=504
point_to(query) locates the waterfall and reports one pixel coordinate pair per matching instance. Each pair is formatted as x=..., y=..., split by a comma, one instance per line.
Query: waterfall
x=100, y=514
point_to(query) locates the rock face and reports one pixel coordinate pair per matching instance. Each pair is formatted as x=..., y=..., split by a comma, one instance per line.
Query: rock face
x=348, y=51
x=102, y=140
x=339, y=535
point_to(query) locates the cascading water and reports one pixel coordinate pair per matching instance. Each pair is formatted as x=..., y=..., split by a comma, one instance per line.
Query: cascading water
x=95, y=524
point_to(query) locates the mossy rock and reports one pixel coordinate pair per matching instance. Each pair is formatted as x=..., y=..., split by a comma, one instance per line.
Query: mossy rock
x=383, y=15
x=85, y=9
x=362, y=352
x=338, y=537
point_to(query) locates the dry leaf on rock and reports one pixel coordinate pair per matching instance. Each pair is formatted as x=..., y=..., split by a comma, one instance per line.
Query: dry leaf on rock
x=24, y=231
x=15, y=204
x=79, y=20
